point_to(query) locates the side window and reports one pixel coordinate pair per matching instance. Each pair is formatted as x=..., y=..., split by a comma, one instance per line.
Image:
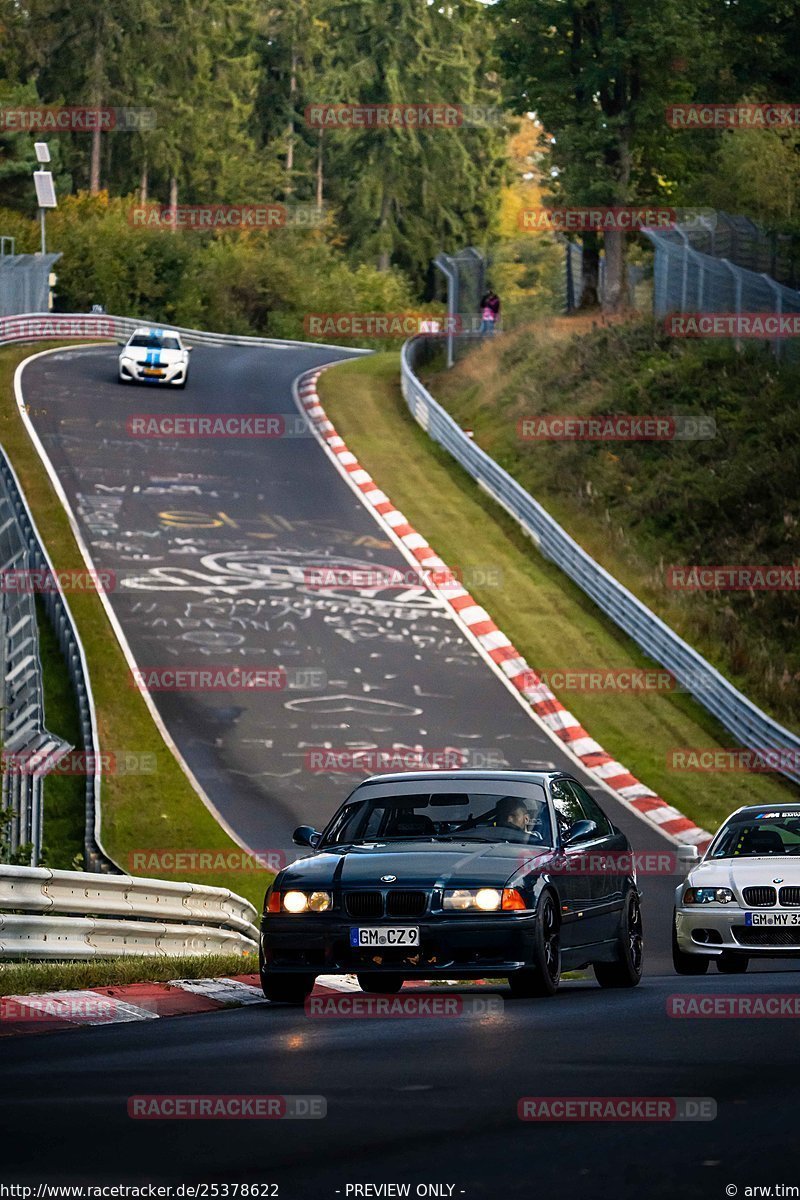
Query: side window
x=568, y=810
x=591, y=809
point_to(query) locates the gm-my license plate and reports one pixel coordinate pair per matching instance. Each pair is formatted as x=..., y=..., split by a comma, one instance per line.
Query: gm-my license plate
x=367, y=936
x=771, y=918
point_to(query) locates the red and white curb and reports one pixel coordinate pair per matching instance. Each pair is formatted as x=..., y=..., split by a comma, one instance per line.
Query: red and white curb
x=55, y=1012
x=544, y=706
x=52, y=1012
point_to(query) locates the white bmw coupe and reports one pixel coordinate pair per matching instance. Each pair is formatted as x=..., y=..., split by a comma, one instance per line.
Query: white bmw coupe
x=742, y=900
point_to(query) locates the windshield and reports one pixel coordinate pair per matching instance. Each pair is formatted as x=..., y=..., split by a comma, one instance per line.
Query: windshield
x=755, y=835
x=150, y=341
x=513, y=812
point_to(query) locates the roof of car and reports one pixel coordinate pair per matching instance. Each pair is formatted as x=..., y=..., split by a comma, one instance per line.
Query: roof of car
x=154, y=331
x=788, y=805
x=461, y=776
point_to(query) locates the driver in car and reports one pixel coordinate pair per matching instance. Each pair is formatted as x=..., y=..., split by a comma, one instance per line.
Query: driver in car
x=513, y=813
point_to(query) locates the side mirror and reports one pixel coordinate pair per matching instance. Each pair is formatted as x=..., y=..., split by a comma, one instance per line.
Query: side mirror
x=188, y=349
x=122, y=343
x=580, y=831
x=687, y=857
x=305, y=835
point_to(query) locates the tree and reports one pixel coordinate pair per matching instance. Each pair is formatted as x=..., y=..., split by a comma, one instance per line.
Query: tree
x=402, y=193
x=599, y=74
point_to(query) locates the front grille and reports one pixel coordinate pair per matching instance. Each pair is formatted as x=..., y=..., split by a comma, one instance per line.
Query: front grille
x=406, y=904
x=364, y=904
x=790, y=897
x=760, y=897
x=766, y=936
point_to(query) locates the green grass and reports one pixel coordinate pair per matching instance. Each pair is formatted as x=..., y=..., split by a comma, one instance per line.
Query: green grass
x=547, y=618
x=26, y=978
x=640, y=507
x=158, y=811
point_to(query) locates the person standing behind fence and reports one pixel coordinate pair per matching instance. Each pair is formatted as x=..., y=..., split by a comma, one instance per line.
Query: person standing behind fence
x=490, y=311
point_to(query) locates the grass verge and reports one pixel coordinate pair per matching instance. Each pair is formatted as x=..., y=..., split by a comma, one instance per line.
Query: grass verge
x=547, y=617
x=638, y=507
x=147, y=812
x=25, y=978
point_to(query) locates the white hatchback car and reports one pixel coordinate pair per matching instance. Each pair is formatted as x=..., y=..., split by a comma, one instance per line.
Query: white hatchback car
x=154, y=356
x=742, y=900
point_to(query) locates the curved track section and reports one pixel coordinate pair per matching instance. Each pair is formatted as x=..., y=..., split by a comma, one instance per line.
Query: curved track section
x=211, y=541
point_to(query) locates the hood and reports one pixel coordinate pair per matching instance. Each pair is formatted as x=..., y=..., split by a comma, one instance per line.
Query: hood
x=738, y=873
x=415, y=865
x=153, y=358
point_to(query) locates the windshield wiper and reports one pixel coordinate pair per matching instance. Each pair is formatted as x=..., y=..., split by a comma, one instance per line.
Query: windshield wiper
x=465, y=837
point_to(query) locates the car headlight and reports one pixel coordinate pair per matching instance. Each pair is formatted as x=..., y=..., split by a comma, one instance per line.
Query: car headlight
x=298, y=902
x=708, y=895
x=470, y=899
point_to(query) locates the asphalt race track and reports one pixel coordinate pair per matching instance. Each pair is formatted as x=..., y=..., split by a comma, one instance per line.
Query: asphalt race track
x=209, y=541
x=419, y=1100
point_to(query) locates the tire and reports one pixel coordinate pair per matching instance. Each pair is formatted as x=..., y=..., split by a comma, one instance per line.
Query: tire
x=124, y=382
x=286, y=989
x=686, y=964
x=544, y=976
x=730, y=963
x=626, y=972
x=387, y=985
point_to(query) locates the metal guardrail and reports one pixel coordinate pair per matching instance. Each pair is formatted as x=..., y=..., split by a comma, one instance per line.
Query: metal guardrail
x=748, y=724
x=34, y=327
x=75, y=914
x=25, y=738
x=21, y=734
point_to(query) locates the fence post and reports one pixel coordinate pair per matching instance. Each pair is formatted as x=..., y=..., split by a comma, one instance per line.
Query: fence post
x=777, y=291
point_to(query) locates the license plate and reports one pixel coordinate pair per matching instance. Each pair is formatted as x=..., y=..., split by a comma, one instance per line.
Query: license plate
x=152, y=371
x=367, y=936
x=771, y=918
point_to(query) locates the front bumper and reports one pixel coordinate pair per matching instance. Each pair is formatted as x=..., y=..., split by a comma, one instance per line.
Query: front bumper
x=709, y=930
x=469, y=946
x=168, y=373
